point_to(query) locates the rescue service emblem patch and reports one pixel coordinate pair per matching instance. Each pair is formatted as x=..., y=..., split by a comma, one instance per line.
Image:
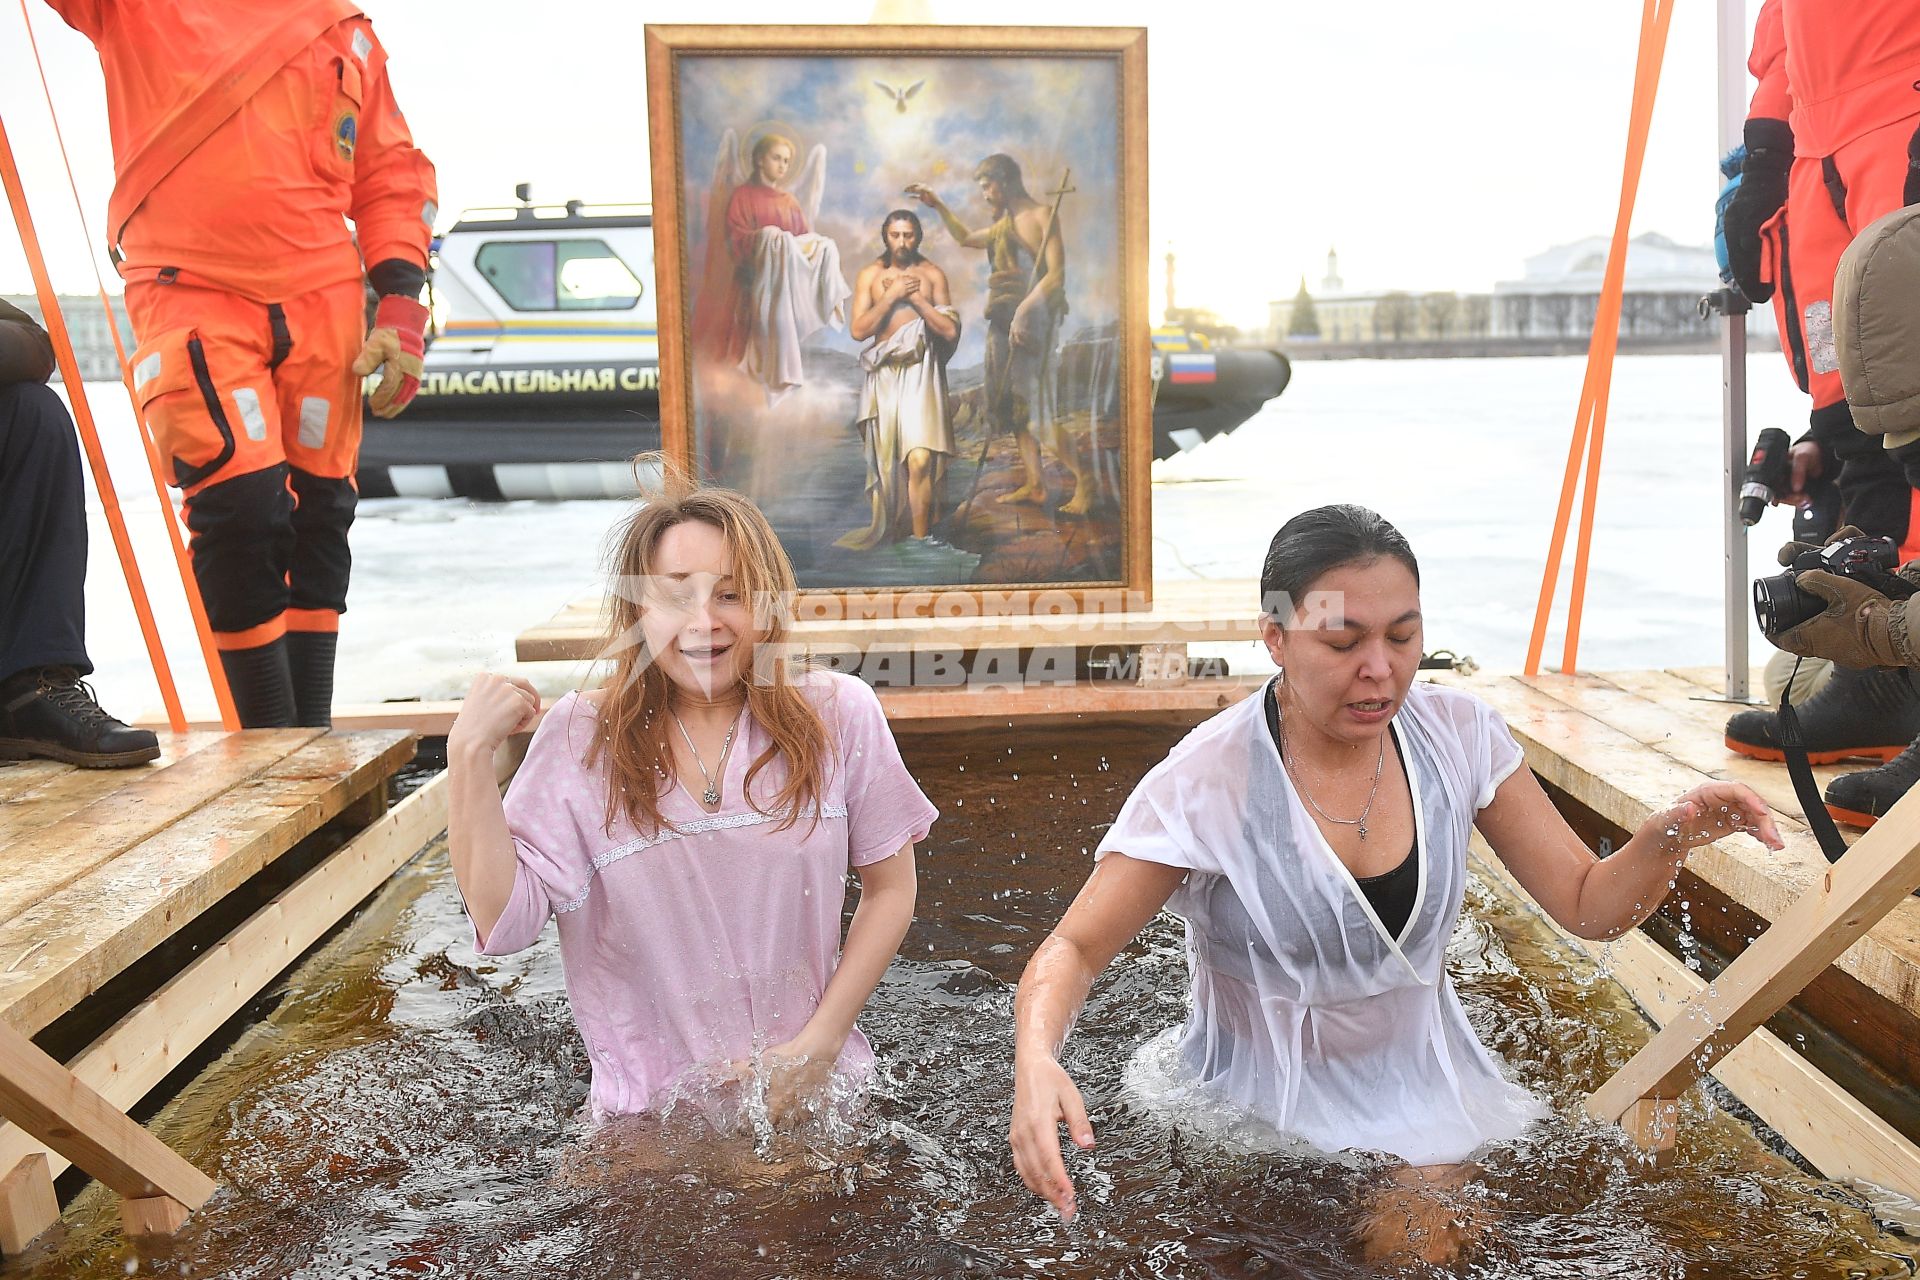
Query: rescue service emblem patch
x=346, y=132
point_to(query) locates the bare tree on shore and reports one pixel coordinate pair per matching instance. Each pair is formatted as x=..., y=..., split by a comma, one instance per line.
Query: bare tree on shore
x=1392, y=316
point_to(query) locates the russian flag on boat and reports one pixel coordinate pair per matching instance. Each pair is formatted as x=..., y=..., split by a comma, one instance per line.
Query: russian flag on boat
x=1190, y=367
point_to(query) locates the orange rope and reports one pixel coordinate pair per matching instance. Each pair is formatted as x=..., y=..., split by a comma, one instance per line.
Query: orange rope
x=1590, y=420
x=203, y=629
x=83, y=418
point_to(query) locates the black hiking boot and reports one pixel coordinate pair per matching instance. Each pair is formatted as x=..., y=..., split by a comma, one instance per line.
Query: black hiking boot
x=1862, y=799
x=48, y=713
x=1872, y=714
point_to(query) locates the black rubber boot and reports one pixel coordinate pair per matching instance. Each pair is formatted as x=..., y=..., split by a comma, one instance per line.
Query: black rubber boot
x=1871, y=714
x=49, y=713
x=310, y=659
x=1862, y=799
x=262, y=685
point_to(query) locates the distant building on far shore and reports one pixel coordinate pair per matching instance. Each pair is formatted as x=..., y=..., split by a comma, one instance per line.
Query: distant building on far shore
x=87, y=324
x=1549, y=309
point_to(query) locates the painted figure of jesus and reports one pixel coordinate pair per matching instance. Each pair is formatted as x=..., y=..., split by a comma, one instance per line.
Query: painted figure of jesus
x=901, y=303
x=1026, y=301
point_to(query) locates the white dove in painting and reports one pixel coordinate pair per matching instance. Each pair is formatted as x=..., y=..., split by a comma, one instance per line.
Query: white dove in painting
x=899, y=96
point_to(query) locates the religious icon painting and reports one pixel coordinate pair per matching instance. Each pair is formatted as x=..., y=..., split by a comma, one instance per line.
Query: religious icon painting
x=902, y=274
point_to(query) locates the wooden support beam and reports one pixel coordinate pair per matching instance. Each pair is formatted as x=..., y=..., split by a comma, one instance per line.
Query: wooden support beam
x=368, y=809
x=27, y=1203
x=152, y=1216
x=63, y=1112
x=1162, y=666
x=1654, y=1126
x=1837, y=1135
x=1875, y=876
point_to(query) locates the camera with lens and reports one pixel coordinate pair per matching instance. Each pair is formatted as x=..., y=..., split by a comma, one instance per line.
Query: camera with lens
x=1781, y=605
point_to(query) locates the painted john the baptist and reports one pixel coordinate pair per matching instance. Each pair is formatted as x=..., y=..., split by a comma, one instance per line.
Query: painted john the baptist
x=910, y=295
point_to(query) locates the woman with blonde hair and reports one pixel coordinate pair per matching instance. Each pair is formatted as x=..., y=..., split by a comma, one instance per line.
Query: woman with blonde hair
x=690, y=824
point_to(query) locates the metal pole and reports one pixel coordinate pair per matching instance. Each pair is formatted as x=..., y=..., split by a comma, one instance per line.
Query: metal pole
x=1733, y=368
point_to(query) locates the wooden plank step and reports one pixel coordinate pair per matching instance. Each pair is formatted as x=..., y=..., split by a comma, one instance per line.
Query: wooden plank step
x=63, y=947
x=1192, y=611
x=41, y=849
x=1624, y=781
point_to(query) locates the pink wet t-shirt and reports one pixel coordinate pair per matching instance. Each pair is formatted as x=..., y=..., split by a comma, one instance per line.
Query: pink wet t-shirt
x=689, y=949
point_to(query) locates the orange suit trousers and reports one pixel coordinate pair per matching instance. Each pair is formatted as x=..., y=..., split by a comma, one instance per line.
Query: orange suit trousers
x=257, y=416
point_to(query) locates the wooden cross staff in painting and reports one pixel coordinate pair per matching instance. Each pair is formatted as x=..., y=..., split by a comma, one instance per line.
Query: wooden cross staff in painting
x=902, y=276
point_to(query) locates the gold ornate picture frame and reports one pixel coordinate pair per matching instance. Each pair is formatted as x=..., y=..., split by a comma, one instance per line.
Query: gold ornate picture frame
x=955, y=401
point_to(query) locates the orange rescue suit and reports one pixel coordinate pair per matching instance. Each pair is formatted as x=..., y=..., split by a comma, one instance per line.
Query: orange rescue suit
x=246, y=134
x=1845, y=75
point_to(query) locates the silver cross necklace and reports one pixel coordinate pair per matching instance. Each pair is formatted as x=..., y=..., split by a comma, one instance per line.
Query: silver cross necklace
x=1301, y=786
x=711, y=796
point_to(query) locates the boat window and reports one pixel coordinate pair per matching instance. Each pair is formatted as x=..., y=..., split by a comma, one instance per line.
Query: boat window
x=558, y=275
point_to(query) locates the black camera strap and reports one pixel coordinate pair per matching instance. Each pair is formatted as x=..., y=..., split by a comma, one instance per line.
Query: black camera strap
x=1805, y=788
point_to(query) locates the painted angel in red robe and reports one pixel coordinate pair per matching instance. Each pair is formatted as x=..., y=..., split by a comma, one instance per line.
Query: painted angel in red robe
x=769, y=281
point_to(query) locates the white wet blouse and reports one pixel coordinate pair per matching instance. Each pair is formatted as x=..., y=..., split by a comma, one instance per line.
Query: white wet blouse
x=1305, y=1012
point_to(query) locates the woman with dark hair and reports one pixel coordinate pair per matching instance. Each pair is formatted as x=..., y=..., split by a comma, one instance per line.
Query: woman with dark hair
x=1314, y=840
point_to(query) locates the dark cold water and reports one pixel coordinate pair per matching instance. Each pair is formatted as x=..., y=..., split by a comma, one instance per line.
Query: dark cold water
x=406, y=1110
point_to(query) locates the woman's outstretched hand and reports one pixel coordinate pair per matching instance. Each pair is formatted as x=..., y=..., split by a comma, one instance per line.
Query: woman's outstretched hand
x=1711, y=812
x=1044, y=1098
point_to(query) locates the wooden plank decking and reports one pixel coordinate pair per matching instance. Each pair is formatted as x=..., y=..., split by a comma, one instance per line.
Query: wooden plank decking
x=98, y=867
x=1627, y=744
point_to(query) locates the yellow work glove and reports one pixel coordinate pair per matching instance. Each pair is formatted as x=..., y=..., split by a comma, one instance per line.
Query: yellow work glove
x=394, y=347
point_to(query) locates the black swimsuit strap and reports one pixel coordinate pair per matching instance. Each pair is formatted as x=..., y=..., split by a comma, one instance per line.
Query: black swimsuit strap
x=1391, y=894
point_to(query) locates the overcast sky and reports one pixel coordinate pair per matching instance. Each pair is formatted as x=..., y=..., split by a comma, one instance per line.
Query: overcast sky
x=1436, y=145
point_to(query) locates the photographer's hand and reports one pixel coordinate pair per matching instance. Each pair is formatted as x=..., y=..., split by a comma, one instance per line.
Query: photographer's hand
x=1793, y=550
x=1859, y=627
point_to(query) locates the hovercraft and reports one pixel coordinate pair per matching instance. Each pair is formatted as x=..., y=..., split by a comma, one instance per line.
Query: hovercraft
x=542, y=377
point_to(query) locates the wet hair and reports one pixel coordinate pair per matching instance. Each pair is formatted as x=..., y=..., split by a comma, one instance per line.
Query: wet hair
x=1005, y=170
x=632, y=727
x=900, y=215
x=767, y=142
x=1316, y=542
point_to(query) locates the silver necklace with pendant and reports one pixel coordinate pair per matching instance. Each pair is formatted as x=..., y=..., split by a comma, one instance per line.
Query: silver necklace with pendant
x=711, y=796
x=1301, y=786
